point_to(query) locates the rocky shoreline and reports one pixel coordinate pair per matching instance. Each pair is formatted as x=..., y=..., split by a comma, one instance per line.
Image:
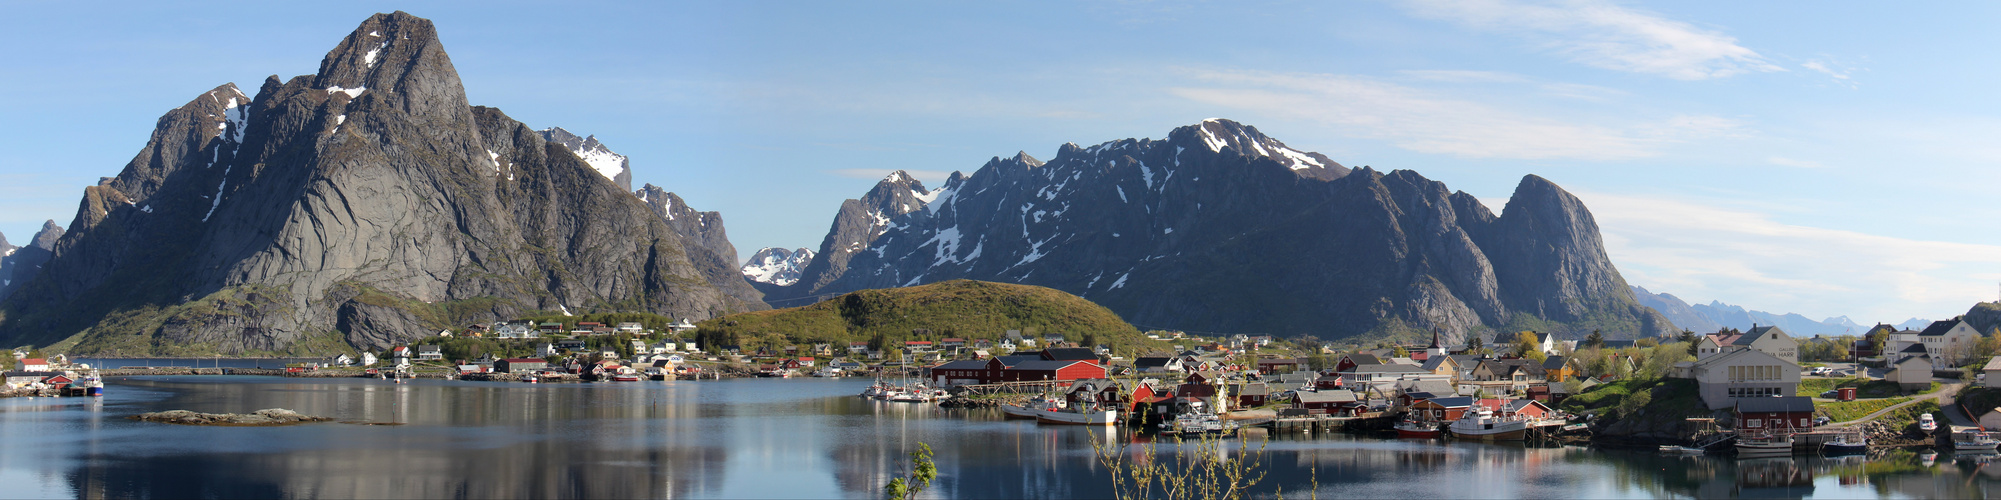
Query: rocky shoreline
x=260, y=418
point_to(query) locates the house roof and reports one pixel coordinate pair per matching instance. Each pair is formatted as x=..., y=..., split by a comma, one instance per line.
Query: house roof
x=525, y=360
x=1364, y=359
x=1620, y=344
x=1149, y=362
x=1554, y=362
x=1993, y=364
x=1914, y=349
x=34, y=361
x=1254, y=389
x=1334, y=396
x=1012, y=361
x=1939, y=328
x=1069, y=354
x=1432, y=364
x=1794, y=404
x=1734, y=354
x=1758, y=332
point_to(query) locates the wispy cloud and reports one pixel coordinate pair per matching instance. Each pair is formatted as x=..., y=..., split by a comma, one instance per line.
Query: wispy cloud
x=1602, y=34
x=1429, y=122
x=1701, y=251
x=1840, y=73
x=1789, y=162
x=930, y=178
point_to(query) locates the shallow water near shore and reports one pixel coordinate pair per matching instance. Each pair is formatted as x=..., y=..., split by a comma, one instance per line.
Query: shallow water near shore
x=779, y=438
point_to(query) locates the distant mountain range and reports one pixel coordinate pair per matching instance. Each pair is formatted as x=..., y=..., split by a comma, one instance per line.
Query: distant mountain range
x=1220, y=228
x=18, y=265
x=1704, y=318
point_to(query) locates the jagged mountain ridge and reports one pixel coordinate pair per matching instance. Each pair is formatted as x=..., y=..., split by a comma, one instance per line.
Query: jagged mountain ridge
x=365, y=204
x=614, y=166
x=777, y=266
x=1220, y=228
x=1717, y=315
x=18, y=265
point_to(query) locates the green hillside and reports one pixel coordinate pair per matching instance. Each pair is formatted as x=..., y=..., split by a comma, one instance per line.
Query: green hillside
x=960, y=308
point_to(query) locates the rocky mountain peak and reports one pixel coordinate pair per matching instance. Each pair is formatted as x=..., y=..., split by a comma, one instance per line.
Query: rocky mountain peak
x=397, y=56
x=47, y=237
x=777, y=266
x=1217, y=134
x=612, y=165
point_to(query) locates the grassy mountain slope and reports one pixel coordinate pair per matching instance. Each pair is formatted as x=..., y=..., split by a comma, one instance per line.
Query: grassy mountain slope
x=959, y=308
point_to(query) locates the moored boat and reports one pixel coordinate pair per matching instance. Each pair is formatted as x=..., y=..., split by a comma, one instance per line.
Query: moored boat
x=1846, y=444
x=1032, y=407
x=1669, y=449
x=1484, y=426
x=1776, y=444
x=1964, y=441
x=1413, y=429
x=625, y=377
x=1082, y=414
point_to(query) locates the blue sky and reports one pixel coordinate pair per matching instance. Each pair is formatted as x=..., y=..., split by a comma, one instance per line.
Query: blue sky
x=1825, y=158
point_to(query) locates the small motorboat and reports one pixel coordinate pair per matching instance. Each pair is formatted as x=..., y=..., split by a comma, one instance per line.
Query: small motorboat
x=1927, y=423
x=1413, y=429
x=625, y=377
x=1669, y=449
x=531, y=378
x=1846, y=444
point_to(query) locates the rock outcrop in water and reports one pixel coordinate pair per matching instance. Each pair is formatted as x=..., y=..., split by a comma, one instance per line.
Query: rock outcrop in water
x=259, y=418
x=365, y=205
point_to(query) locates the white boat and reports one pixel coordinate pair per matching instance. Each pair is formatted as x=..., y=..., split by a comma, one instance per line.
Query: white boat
x=1484, y=426
x=1973, y=441
x=1926, y=423
x=1083, y=414
x=1765, y=445
x=1034, y=406
x=1668, y=449
x=1846, y=444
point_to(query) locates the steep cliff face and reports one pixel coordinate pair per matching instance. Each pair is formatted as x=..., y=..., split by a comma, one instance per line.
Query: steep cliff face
x=367, y=203
x=705, y=238
x=18, y=265
x=1220, y=228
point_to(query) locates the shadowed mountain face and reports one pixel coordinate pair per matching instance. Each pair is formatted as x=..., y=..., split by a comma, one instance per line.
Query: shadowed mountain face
x=1219, y=228
x=364, y=204
x=19, y=265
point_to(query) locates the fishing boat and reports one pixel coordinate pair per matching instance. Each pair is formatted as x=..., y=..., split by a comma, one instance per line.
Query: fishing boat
x=1034, y=406
x=912, y=396
x=92, y=384
x=1974, y=441
x=625, y=377
x=531, y=378
x=1771, y=444
x=1483, y=425
x=1081, y=414
x=1414, y=429
x=1846, y=444
x=874, y=391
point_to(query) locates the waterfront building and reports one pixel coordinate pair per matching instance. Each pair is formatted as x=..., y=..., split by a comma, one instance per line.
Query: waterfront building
x=1912, y=368
x=34, y=365
x=1725, y=378
x=520, y=365
x=1768, y=413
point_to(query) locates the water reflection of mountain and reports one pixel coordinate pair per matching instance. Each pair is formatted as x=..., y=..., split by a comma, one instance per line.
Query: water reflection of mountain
x=786, y=438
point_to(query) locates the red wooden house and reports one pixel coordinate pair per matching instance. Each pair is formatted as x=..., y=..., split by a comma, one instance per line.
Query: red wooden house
x=1774, y=413
x=1442, y=409
x=1513, y=407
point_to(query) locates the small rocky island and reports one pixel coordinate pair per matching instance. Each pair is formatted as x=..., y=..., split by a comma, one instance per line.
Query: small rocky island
x=259, y=418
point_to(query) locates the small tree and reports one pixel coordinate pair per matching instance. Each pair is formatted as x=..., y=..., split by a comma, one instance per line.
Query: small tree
x=1525, y=343
x=922, y=471
x=1473, y=343
x=1399, y=352
x=1595, y=339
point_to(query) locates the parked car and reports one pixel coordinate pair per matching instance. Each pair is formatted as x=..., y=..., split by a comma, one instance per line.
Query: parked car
x=1831, y=393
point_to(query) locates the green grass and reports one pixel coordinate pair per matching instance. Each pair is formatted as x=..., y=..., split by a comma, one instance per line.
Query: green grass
x=1850, y=410
x=960, y=308
x=1813, y=386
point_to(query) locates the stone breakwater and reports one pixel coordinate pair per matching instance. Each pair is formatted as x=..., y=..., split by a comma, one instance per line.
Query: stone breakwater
x=259, y=418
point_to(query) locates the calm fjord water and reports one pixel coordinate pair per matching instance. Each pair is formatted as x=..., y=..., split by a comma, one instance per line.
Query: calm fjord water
x=771, y=438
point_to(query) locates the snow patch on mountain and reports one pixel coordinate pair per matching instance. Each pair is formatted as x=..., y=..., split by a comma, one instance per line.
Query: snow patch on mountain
x=777, y=266
x=594, y=153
